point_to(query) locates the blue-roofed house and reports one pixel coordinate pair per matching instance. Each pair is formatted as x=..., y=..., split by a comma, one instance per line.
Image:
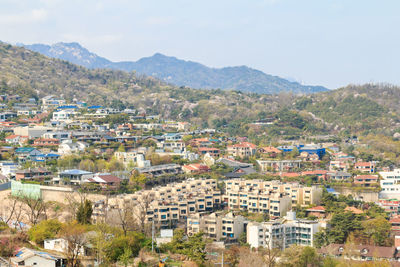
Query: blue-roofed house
x=173, y=136
x=26, y=153
x=45, y=157
x=29, y=257
x=73, y=176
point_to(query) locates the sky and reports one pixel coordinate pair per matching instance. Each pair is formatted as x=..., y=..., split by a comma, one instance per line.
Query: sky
x=320, y=42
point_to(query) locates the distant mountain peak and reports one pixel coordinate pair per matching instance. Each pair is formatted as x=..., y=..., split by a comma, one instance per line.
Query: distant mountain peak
x=180, y=72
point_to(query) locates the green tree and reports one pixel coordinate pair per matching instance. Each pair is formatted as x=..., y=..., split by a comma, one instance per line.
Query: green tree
x=44, y=230
x=377, y=230
x=84, y=212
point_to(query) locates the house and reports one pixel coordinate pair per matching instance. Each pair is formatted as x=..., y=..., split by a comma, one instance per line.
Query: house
x=73, y=176
x=200, y=142
x=45, y=157
x=29, y=257
x=173, y=137
x=278, y=165
x=68, y=147
x=16, y=139
x=270, y=151
x=353, y=210
x=360, y=252
x=51, y=102
x=390, y=184
x=366, y=180
x=160, y=169
x=61, y=245
x=46, y=142
x=32, y=174
x=338, y=176
x=368, y=167
x=26, y=153
x=317, y=211
x=239, y=168
x=213, y=152
x=63, y=115
x=321, y=174
x=104, y=180
x=195, y=168
x=8, y=169
x=242, y=150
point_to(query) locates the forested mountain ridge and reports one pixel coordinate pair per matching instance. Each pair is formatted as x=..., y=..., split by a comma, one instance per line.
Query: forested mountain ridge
x=180, y=72
x=367, y=108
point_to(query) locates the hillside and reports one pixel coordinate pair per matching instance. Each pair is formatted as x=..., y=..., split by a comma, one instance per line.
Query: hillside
x=354, y=109
x=180, y=72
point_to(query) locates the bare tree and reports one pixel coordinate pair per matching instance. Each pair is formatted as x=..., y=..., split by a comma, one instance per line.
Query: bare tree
x=35, y=208
x=141, y=207
x=74, y=200
x=8, y=211
x=272, y=250
x=125, y=216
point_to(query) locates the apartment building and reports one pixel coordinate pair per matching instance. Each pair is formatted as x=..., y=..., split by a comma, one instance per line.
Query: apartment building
x=242, y=150
x=390, y=185
x=273, y=197
x=278, y=165
x=282, y=233
x=217, y=226
x=133, y=157
x=172, y=204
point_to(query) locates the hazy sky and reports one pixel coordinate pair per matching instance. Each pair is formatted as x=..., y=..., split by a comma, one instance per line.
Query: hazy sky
x=326, y=42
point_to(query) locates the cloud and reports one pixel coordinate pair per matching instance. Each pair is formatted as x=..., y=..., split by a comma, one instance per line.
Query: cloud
x=35, y=15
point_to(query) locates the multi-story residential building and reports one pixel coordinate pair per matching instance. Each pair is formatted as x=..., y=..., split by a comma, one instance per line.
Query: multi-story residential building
x=272, y=197
x=133, y=157
x=171, y=204
x=278, y=165
x=172, y=146
x=368, y=167
x=242, y=150
x=51, y=102
x=213, y=152
x=390, y=184
x=63, y=115
x=46, y=142
x=32, y=174
x=282, y=233
x=366, y=180
x=217, y=226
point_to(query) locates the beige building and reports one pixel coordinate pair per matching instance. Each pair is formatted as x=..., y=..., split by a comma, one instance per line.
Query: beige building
x=242, y=150
x=171, y=204
x=272, y=197
x=217, y=226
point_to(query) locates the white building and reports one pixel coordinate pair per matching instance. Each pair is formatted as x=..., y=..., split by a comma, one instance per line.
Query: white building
x=8, y=169
x=60, y=245
x=30, y=257
x=63, y=115
x=390, y=184
x=282, y=233
x=68, y=147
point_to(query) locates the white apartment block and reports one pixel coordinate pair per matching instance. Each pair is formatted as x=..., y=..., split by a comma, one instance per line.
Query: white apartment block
x=133, y=157
x=282, y=233
x=272, y=197
x=217, y=226
x=390, y=185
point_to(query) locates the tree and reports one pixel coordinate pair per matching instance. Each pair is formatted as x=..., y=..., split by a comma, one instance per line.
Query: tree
x=126, y=257
x=299, y=256
x=84, y=212
x=377, y=230
x=35, y=208
x=12, y=210
x=141, y=206
x=272, y=250
x=44, y=230
x=75, y=236
x=138, y=179
x=121, y=148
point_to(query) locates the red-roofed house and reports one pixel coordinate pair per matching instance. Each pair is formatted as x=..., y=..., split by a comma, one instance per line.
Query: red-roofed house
x=368, y=167
x=105, y=180
x=242, y=150
x=317, y=211
x=16, y=139
x=366, y=180
x=200, y=142
x=322, y=174
x=195, y=168
x=46, y=142
x=353, y=210
x=270, y=151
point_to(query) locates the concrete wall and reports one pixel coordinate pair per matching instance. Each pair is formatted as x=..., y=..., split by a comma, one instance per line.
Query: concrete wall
x=364, y=195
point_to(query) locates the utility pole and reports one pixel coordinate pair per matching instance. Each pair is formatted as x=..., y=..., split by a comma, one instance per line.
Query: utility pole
x=152, y=235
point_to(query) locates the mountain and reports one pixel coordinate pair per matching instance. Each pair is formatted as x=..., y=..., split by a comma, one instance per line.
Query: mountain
x=180, y=72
